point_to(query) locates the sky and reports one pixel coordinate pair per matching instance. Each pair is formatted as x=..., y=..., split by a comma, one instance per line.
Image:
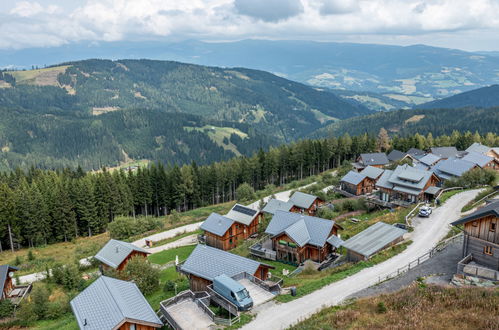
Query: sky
x=462, y=24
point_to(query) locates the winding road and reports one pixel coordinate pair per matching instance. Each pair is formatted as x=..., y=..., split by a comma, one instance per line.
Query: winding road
x=427, y=233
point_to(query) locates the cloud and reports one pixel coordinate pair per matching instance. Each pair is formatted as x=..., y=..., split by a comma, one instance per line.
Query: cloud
x=33, y=23
x=269, y=10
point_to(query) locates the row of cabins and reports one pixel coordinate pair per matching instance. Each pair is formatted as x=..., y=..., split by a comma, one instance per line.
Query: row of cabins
x=299, y=202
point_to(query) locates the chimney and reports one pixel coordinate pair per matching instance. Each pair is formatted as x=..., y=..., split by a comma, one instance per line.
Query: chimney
x=85, y=322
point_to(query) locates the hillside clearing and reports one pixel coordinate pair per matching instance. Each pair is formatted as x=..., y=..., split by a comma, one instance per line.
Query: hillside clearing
x=218, y=134
x=39, y=77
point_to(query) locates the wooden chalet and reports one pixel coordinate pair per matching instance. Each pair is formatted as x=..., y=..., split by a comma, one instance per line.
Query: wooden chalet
x=407, y=184
x=399, y=156
x=357, y=183
x=8, y=290
x=452, y=168
x=377, y=159
x=481, y=238
x=225, y=232
x=483, y=161
x=205, y=263
x=484, y=150
x=115, y=254
x=109, y=303
x=297, y=238
x=305, y=203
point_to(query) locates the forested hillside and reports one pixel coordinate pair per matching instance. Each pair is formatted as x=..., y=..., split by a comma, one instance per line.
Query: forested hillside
x=99, y=112
x=422, y=121
x=484, y=97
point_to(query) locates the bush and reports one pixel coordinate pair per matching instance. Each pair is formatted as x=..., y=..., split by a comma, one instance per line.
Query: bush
x=471, y=179
x=381, y=308
x=245, y=192
x=139, y=270
x=31, y=256
x=68, y=276
x=169, y=286
x=6, y=308
x=124, y=227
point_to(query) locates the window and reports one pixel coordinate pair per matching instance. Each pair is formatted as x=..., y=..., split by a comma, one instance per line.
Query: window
x=492, y=226
x=487, y=250
x=132, y=326
x=475, y=223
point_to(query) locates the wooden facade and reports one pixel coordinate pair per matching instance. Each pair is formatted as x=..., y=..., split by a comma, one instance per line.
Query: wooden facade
x=492, y=165
x=125, y=261
x=236, y=233
x=481, y=240
x=366, y=186
x=7, y=288
x=311, y=210
x=390, y=194
x=137, y=325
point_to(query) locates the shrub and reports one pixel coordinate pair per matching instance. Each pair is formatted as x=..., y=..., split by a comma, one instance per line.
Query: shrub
x=139, y=270
x=6, y=308
x=381, y=308
x=31, y=256
x=245, y=192
x=124, y=227
x=68, y=276
x=169, y=286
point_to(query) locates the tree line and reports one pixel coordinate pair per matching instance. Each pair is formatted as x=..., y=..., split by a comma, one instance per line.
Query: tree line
x=45, y=206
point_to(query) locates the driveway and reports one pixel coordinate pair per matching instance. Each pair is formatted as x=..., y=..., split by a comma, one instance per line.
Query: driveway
x=427, y=233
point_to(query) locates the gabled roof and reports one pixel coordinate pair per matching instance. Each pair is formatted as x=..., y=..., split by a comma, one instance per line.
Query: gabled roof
x=383, y=180
x=302, y=200
x=372, y=172
x=302, y=229
x=430, y=159
x=276, y=204
x=4, y=273
x=409, y=179
x=416, y=153
x=353, y=177
x=114, y=252
x=452, y=166
x=217, y=224
x=478, y=148
x=377, y=158
x=242, y=214
x=207, y=262
x=445, y=152
x=491, y=209
x=108, y=302
x=335, y=241
x=396, y=155
x=373, y=239
x=478, y=158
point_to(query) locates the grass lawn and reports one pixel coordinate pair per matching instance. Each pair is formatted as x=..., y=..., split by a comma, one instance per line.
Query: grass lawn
x=166, y=256
x=67, y=322
x=159, y=295
x=448, y=194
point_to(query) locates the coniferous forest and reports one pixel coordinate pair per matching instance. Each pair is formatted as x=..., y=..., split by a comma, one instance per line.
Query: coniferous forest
x=45, y=206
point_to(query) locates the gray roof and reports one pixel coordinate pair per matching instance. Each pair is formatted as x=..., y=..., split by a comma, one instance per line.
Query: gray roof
x=433, y=190
x=302, y=229
x=108, y=302
x=478, y=148
x=217, y=224
x=302, y=200
x=242, y=214
x=207, y=262
x=416, y=153
x=395, y=155
x=114, y=252
x=275, y=204
x=453, y=167
x=372, y=172
x=445, y=152
x=373, y=239
x=409, y=179
x=377, y=158
x=430, y=159
x=477, y=158
x=353, y=177
x=383, y=180
x=335, y=241
x=4, y=272
x=491, y=209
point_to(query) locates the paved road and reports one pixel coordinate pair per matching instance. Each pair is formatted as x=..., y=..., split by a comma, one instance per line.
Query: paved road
x=426, y=235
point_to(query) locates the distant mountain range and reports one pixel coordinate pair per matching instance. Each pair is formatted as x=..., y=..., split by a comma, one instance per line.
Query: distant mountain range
x=101, y=112
x=484, y=97
x=409, y=75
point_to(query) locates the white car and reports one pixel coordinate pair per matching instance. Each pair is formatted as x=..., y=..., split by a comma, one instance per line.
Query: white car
x=425, y=211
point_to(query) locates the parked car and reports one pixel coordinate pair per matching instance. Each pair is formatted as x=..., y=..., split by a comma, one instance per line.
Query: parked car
x=233, y=291
x=425, y=211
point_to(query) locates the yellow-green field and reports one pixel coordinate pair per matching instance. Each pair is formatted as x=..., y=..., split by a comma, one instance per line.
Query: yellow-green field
x=40, y=77
x=217, y=135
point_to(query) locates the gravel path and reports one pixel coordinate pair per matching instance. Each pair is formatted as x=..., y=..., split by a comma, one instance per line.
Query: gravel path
x=427, y=233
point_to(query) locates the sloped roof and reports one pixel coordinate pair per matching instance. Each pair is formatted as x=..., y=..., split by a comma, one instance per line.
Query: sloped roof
x=335, y=241
x=383, y=180
x=107, y=302
x=302, y=200
x=395, y=155
x=478, y=148
x=408, y=177
x=453, y=166
x=372, y=172
x=353, y=177
x=276, y=204
x=309, y=230
x=432, y=190
x=491, y=209
x=416, y=153
x=429, y=159
x=373, y=239
x=217, y=224
x=114, y=252
x=376, y=158
x=477, y=158
x=4, y=273
x=207, y=262
x=445, y=152
x=242, y=214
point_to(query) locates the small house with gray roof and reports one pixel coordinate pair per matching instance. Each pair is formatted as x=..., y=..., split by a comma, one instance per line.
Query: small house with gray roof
x=305, y=203
x=484, y=150
x=416, y=153
x=227, y=231
x=296, y=237
x=398, y=156
x=205, y=263
x=452, y=168
x=377, y=159
x=481, y=160
x=445, y=152
x=406, y=184
x=356, y=183
x=115, y=254
x=372, y=240
x=275, y=204
x=429, y=160
x=109, y=304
